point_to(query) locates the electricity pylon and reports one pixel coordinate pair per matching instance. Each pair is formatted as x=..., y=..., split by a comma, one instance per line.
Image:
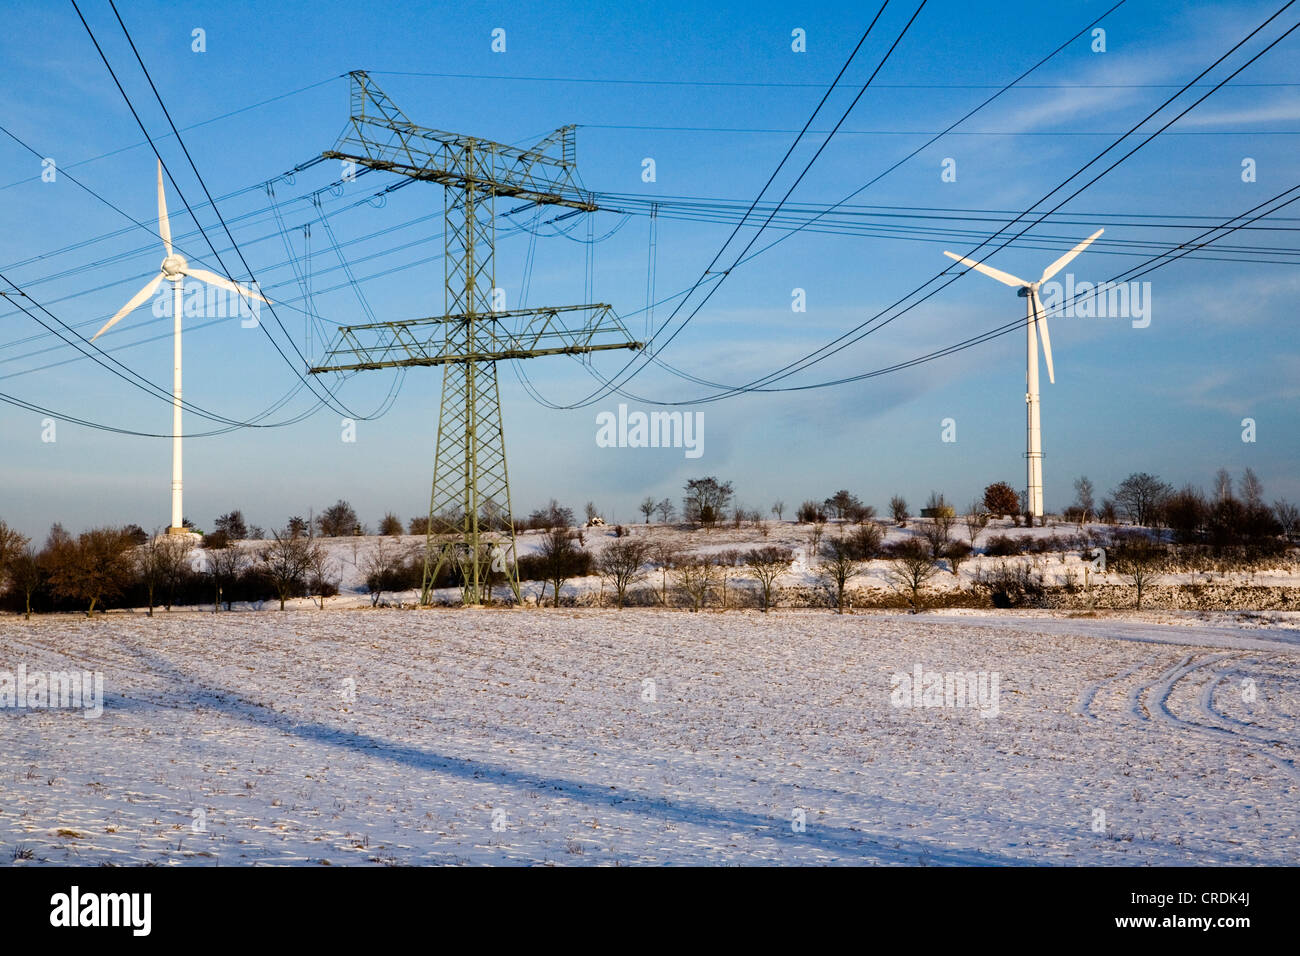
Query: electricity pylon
x=471, y=524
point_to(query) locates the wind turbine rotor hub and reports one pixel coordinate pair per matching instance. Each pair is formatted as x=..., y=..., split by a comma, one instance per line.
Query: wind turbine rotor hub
x=173, y=267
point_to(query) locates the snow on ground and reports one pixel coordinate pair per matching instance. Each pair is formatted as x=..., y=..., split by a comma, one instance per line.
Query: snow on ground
x=400, y=737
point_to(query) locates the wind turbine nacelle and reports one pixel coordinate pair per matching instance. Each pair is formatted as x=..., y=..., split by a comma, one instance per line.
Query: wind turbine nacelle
x=173, y=267
x=1023, y=292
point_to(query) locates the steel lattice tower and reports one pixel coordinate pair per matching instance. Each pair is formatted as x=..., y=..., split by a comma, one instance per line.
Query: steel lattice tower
x=471, y=524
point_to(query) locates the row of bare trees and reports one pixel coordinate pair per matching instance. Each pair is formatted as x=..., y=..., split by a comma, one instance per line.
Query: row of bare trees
x=1141, y=498
x=123, y=566
x=629, y=561
x=89, y=569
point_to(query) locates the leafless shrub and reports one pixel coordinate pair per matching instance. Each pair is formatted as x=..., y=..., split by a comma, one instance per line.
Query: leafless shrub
x=977, y=519
x=767, y=565
x=696, y=578
x=1139, y=561
x=1014, y=585
x=910, y=569
x=224, y=567
x=622, y=565
x=665, y=555
x=837, y=567
x=286, y=562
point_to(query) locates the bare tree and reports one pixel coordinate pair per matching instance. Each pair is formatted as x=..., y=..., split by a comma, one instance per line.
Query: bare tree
x=727, y=561
x=767, y=565
x=338, y=519
x=706, y=500
x=910, y=569
x=815, y=534
x=225, y=565
x=977, y=519
x=286, y=562
x=492, y=515
x=647, y=508
x=956, y=553
x=866, y=540
x=842, y=503
x=810, y=512
x=1001, y=499
x=560, y=555
x=26, y=575
x=1252, y=489
x=621, y=563
x=778, y=508
x=859, y=513
x=696, y=577
x=898, y=509
x=11, y=545
x=665, y=555
x=151, y=567
x=232, y=524
x=666, y=510
x=1084, y=498
x=379, y=568
x=95, y=567
x=554, y=515
x=837, y=567
x=1222, y=485
x=1140, y=496
x=174, y=553
x=1139, y=561
x=1288, y=517
x=322, y=575
x=938, y=533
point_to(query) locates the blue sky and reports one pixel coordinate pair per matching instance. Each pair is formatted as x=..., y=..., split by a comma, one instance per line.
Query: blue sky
x=1168, y=398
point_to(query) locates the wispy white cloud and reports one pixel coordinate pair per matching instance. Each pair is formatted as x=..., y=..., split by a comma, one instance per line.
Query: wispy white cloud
x=1239, y=390
x=1282, y=108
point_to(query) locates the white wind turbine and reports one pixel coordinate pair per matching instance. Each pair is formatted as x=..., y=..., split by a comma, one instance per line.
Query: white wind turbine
x=174, y=268
x=1035, y=322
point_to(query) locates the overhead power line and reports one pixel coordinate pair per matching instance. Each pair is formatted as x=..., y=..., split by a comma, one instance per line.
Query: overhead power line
x=615, y=385
x=651, y=346
x=193, y=126
x=744, y=84
x=330, y=399
x=852, y=336
x=732, y=130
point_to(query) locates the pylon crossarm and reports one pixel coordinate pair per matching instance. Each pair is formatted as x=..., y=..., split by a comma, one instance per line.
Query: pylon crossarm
x=402, y=344
x=534, y=193
x=380, y=136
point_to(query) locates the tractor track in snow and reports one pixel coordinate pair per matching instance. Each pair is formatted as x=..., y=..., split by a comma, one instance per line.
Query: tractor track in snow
x=1153, y=701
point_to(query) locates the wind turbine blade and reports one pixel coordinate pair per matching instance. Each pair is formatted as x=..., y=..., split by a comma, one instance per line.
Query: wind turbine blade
x=1041, y=321
x=1005, y=278
x=1062, y=262
x=164, y=225
x=136, y=300
x=221, y=282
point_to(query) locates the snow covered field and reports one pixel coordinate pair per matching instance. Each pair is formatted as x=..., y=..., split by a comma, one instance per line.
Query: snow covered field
x=586, y=737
